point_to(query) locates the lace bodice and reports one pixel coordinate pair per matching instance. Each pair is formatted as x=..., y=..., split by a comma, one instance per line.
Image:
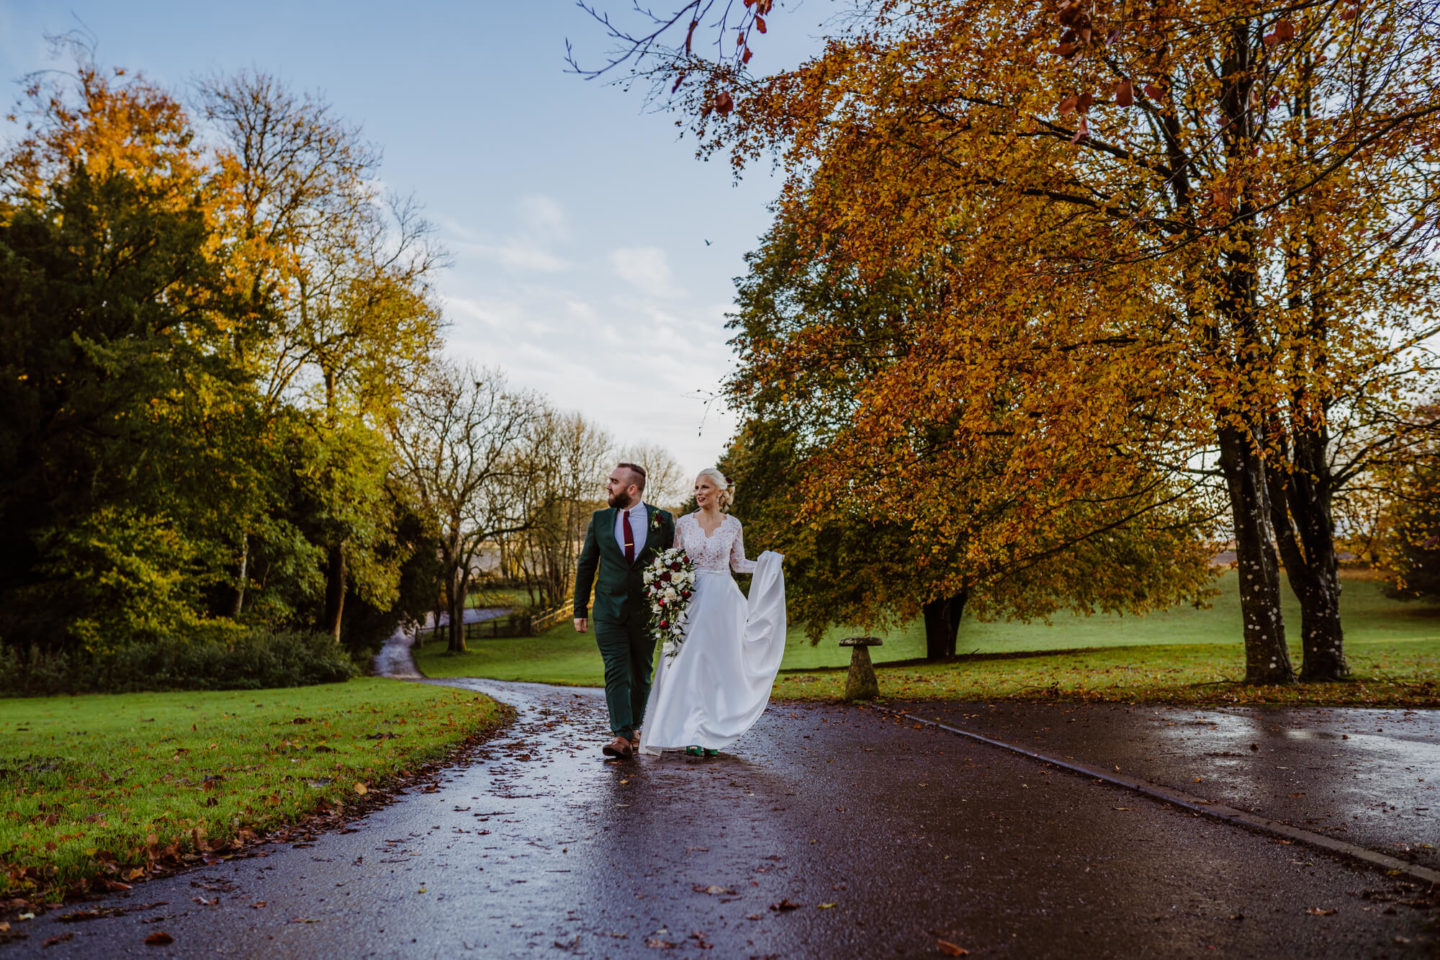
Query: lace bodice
x=723, y=548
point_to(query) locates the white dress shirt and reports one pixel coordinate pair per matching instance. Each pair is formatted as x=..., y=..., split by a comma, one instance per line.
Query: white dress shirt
x=638, y=527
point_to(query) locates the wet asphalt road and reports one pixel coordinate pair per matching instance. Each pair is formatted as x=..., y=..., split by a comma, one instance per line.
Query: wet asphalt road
x=885, y=839
x=1371, y=777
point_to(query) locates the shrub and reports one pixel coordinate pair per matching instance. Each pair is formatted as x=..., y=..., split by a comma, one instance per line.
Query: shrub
x=254, y=659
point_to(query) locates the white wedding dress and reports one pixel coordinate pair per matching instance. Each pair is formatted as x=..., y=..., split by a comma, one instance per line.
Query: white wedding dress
x=717, y=686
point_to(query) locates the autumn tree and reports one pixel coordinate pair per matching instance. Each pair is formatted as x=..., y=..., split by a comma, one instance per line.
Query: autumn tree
x=1233, y=204
x=335, y=279
x=937, y=521
x=460, y=438
x=1408, y=487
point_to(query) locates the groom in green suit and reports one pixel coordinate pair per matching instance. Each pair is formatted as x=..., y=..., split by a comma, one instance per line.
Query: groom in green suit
x=621, y=540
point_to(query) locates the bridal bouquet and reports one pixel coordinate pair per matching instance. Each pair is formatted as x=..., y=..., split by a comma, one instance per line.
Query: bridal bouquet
x=669, y=584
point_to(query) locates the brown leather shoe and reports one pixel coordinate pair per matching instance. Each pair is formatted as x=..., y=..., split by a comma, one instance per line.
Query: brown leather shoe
x=619, y=748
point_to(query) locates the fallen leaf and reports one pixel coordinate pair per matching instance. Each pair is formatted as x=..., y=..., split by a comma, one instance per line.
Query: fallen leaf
x=783, y=905
x=1321, y=911
x=361, y=789
x=655, y=943
x=59, y=938
x=827, y=906
x=159, y=939
x=951, y=949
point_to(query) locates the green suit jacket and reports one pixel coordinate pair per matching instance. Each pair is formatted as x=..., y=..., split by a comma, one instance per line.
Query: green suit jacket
x=619, y=586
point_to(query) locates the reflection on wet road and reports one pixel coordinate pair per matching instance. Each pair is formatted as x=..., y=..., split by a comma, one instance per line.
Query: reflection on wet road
x=1371, y=777
x=829, y=832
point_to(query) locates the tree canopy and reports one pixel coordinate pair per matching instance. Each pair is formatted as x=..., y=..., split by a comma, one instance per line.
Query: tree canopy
x=1221, y=217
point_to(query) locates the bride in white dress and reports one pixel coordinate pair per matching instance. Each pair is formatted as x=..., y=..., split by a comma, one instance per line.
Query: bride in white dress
x=718, y=684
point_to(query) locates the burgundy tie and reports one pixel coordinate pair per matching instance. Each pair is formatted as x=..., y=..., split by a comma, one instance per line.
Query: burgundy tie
x=629, y=539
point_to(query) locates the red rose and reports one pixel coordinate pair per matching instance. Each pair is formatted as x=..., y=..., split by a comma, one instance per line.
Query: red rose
x=685, y=594
x=663, y=624
x=665, y=576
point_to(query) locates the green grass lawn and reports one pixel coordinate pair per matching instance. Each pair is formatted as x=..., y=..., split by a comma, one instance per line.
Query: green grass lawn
x=1181, y=654
x=1386, y=673
x=104, y=785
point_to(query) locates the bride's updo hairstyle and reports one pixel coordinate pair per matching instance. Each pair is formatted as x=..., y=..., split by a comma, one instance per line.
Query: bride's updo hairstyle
x=726, y=496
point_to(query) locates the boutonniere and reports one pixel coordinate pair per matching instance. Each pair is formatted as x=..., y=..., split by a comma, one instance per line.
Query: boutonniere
x=656, y=523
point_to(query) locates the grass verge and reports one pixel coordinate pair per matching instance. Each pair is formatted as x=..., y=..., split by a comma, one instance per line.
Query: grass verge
x=107, y=789
x=1403, y=673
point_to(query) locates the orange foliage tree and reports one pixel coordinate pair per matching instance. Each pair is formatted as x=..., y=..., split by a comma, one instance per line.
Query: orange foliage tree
x=895, y=495
x=1228, y=210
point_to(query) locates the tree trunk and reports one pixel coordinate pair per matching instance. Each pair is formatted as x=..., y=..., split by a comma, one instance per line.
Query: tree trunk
x=1307, y=545
x=456, y=596
x=1267, y=659
x=334, y=591
x=942, y=623
x=238, y=606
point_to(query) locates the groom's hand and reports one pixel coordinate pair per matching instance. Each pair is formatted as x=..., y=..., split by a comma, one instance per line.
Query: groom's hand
x=580, y=624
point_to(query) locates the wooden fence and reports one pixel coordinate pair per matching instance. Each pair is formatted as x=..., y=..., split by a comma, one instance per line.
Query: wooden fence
x=518, y=624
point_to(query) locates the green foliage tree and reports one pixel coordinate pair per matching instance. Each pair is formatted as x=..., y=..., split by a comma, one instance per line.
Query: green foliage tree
x=116, y=396
x=201, y=344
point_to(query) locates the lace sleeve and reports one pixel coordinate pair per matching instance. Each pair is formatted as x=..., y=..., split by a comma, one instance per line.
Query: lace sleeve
x=738, y=563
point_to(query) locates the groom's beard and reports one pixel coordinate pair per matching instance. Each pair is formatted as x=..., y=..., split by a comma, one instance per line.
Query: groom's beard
x=619, y=500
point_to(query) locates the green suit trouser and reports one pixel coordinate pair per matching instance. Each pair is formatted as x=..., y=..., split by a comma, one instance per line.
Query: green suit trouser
x=627, y=650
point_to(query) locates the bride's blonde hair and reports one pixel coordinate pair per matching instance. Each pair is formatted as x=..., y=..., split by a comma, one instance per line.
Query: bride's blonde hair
x=726, y=495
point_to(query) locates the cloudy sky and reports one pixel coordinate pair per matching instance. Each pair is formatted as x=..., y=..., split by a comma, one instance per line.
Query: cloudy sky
x=593, y=255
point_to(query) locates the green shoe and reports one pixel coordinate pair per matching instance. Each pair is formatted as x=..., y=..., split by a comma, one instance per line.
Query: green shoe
x=711, y=753
x=693, y=751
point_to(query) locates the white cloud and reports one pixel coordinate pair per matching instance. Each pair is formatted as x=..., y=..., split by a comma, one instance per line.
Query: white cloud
x=518, y=253
x=646, y=269
x=491, y=314
x=543, y=216
x=542, y=225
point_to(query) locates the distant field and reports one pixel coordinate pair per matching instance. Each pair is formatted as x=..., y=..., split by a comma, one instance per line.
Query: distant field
x=1377, y=630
